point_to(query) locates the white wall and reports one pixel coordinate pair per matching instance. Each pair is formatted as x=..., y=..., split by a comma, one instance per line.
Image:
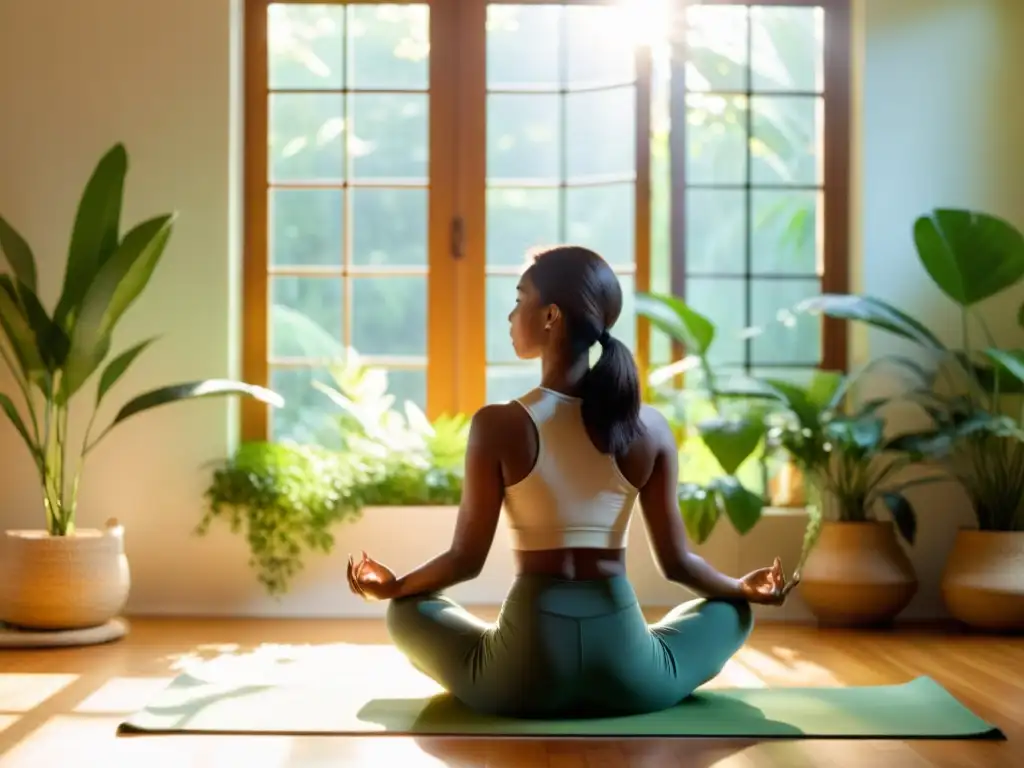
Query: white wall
x=938, y=127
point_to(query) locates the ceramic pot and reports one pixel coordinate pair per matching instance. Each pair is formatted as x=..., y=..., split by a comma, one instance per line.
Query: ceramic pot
x=63, y=582
x=983, y=582
x=857, y=575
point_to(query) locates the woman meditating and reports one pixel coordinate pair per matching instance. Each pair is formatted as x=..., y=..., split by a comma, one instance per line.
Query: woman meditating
x=568, y=461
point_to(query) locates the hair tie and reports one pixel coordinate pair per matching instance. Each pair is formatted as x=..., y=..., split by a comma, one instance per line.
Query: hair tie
x=605, y=338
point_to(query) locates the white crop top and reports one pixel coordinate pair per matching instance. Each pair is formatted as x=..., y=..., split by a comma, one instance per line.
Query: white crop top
x=575, y=496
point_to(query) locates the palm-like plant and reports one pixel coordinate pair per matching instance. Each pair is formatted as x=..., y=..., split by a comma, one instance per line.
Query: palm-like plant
x=971, y=257
x=52, y=356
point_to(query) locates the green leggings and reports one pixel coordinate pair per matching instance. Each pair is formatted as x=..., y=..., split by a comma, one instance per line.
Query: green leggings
x=568, y=648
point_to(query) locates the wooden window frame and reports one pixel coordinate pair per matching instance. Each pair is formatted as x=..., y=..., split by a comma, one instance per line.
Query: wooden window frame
x=442, y=122
x=835, y=187
x=472, y=270
x=456, y=347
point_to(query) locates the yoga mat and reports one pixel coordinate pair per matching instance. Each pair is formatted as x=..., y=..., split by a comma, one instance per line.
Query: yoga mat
x=366, y=690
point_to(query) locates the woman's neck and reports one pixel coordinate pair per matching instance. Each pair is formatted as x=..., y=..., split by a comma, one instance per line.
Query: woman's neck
x=563, y=373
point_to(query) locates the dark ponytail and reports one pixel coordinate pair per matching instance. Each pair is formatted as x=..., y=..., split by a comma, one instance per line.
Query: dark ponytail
x=611, y=397
x=586, y=290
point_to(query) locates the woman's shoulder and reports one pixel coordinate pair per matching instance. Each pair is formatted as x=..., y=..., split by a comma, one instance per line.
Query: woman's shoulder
x=656, y=429
x=500, y=418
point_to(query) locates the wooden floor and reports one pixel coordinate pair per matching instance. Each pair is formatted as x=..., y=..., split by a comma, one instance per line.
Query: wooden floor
x=61, y=707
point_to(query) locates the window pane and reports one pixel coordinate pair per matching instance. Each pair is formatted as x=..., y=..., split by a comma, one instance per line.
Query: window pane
x=306, y=137
x=602, y=218
x=598, y=52
x=717, y=41
x=716, y=139
x=523, y=137
x=519, y=220
x=389, y=315
x=722, y=301
x=389, y=136
x=716, y=231
x=306, y=227
x=308, y=415
x=306, y=317
x=786, y=339
x=500, y=300
x=408, y=384
x=602, y=127
x=785, y=234
x=787, y=49
x=390, y=46
x=389, y=227
x=523, y=46
x=784, y=143
x=305, y=46
x=507, y=382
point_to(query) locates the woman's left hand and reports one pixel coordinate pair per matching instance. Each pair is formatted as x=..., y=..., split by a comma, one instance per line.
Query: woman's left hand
x=371, y=580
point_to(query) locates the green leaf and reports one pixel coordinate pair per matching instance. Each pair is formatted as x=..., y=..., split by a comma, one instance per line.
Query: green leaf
x=743, y=507
x=731, y=441
x=80, y=365
x=117, y=284
x=18, y=253
x=51, y=340
x=116, y=368
x=1011, y=360
x=823, y=388
x=1020, y=316
x=192, y=391
x=16, y=420
x=857, y=436
x=902, y=514
x=672, y=316
x=797, y=399
x=699, y=510
x=96, y=232
x=871, y=311
x=19, y=332
x=971, y=256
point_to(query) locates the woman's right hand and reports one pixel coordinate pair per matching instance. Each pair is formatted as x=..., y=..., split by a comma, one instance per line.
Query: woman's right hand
x=767, y=586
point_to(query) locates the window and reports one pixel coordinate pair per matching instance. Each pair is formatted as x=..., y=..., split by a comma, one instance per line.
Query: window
x=402, y=158
x=758, y=161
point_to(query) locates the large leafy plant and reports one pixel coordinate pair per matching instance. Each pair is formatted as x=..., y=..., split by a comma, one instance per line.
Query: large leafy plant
x=852, y=469
x=970, y=257
x=51, y=356
x=732, y=429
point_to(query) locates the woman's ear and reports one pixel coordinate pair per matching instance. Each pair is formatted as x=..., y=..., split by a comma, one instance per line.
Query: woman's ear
x=552, y=315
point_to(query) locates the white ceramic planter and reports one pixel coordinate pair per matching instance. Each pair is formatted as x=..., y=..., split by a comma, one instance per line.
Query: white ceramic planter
x=63, y=582
x=405, y=537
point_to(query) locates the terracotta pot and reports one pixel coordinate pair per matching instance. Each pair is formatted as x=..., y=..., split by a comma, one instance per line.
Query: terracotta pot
x=857, y=575
x=983, y=582
x=63, y=582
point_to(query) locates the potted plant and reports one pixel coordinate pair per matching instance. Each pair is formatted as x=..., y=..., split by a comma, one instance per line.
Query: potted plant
x=288, y=498
x=970, y=257
x=853, y=570
x=63, y=576
x=728, y=426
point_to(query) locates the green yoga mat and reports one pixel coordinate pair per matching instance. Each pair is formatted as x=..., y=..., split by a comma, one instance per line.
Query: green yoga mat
x=372, y=690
